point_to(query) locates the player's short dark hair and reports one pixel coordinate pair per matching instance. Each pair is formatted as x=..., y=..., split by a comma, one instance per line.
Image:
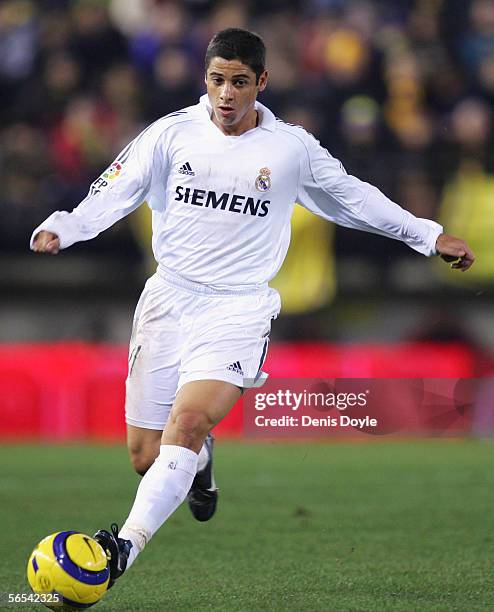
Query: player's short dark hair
x=234, y=43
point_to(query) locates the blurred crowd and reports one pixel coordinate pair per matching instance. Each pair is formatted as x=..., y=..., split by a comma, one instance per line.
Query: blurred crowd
x=400, y=90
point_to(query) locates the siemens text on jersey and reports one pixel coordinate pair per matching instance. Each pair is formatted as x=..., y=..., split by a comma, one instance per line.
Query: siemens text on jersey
x=226, y=201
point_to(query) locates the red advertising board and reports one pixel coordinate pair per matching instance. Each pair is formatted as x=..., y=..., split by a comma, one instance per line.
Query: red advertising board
x=72, y=391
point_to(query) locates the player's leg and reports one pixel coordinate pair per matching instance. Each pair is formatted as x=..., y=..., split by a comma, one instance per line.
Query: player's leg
x=198, y=407
x=143, y=446
x=154, y=358
x=202, y=497
x=224, y=355
x=225, y=346
x=238, y=344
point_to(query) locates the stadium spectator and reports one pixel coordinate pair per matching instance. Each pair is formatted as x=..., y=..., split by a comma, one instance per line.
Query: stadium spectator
x=468, y=197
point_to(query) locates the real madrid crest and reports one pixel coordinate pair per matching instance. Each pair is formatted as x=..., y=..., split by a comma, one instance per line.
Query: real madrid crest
x=263, y=181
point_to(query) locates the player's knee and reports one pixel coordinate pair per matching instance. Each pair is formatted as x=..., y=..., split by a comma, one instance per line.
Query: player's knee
x=191, y=426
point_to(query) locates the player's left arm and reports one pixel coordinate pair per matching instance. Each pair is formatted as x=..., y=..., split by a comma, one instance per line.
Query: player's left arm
x=328, y=191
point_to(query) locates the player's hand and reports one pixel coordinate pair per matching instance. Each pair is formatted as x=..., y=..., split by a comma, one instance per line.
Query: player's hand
x=46, y=242
x=455, y=251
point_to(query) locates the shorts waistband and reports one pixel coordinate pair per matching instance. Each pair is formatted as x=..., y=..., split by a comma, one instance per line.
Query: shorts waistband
x=176, y=280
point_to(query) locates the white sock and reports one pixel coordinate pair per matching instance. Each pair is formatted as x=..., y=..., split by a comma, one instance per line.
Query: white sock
x=161, y=491
x=203, y=458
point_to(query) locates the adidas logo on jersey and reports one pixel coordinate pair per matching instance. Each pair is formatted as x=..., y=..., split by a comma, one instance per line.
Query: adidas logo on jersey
x=186, y=169
x=236, y=367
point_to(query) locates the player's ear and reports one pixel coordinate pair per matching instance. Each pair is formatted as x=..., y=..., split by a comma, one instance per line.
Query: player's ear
x=263, y=81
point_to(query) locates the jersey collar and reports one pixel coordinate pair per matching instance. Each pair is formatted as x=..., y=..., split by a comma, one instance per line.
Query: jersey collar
x=267, y=121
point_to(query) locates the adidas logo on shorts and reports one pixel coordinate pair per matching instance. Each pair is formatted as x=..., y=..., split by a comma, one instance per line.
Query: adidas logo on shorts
x=236, y=367
x=186, y=169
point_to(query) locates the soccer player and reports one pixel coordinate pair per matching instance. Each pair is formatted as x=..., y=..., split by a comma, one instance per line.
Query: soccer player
x=221, y=179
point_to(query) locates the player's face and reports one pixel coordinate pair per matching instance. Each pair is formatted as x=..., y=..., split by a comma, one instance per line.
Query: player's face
x=232, y=91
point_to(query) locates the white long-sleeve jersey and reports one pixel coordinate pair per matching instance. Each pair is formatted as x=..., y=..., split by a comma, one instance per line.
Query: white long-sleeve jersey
x=221, y=205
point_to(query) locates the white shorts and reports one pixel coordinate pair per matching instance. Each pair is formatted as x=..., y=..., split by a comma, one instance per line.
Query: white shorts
x=185, y=331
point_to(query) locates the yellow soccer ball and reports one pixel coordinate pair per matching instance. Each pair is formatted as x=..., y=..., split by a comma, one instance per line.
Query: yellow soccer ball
x=71, y=566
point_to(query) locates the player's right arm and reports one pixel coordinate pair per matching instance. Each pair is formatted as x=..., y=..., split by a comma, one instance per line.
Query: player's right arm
x=113, y=195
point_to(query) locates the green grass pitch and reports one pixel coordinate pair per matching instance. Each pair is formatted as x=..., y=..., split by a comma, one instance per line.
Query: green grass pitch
x=384, y=526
